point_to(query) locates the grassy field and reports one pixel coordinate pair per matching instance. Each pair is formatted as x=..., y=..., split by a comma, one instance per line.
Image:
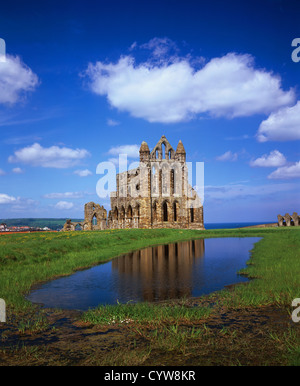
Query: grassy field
x=176, y=328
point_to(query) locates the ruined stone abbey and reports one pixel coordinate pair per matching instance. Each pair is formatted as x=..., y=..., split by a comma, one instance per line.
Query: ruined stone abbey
x=156, y=194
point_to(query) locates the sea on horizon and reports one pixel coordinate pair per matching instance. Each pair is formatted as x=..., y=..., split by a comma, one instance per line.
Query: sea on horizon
x=229, y=225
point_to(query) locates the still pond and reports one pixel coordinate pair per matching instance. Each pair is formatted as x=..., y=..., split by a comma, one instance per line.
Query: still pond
x=184, y=269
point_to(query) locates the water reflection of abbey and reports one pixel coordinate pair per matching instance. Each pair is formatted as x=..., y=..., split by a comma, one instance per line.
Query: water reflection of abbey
x=159, y=272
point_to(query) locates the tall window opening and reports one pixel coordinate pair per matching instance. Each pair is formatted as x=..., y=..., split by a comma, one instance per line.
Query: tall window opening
x=116, y=214
x=163, y=149
x=192, y=214
x=165, y=211
x=129, y=212
x=154, y=212
x=137, y=209
x=122, y=213
x=175, y=211
x=154, y=180
x=172, y=190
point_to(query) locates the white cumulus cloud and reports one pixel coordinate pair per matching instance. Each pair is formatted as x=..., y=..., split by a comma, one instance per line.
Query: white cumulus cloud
x=132, y=151
x=161, y=48
x=15, y=79
x=6, y=199
x=286, y=172
x=83, y=173
x=64, y=195
x=62, y=205
x=112, y=122
x=227, y=156
x=49, y=157
x=174, y=91
x=282, y=125
x=17, y=170
x=274, y=159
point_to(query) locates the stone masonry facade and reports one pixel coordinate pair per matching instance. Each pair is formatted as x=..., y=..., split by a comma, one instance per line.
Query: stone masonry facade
x=154, y=195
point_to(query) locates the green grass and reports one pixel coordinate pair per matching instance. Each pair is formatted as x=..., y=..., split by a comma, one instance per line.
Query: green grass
x=275, y=267
x=145, y=313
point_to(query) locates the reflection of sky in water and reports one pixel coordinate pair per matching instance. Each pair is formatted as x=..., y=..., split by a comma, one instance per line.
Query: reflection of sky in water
x=190, y=268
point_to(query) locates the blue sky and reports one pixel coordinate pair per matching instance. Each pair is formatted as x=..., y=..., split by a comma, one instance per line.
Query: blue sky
x=86, y=80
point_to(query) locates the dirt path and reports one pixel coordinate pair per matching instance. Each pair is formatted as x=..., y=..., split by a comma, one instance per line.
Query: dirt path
x=236, y=337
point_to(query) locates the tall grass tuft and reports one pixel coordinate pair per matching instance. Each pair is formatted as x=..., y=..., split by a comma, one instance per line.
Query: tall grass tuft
x=148, y=313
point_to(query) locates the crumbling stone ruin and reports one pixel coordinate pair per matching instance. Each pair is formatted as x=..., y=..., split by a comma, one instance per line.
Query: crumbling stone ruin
x=94, y=219
x=71, y=226
x=295, y=218
x=288, y=220
x=94, y=216
x=156, y=194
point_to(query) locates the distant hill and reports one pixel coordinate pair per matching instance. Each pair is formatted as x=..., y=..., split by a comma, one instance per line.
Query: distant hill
x=52, y=223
